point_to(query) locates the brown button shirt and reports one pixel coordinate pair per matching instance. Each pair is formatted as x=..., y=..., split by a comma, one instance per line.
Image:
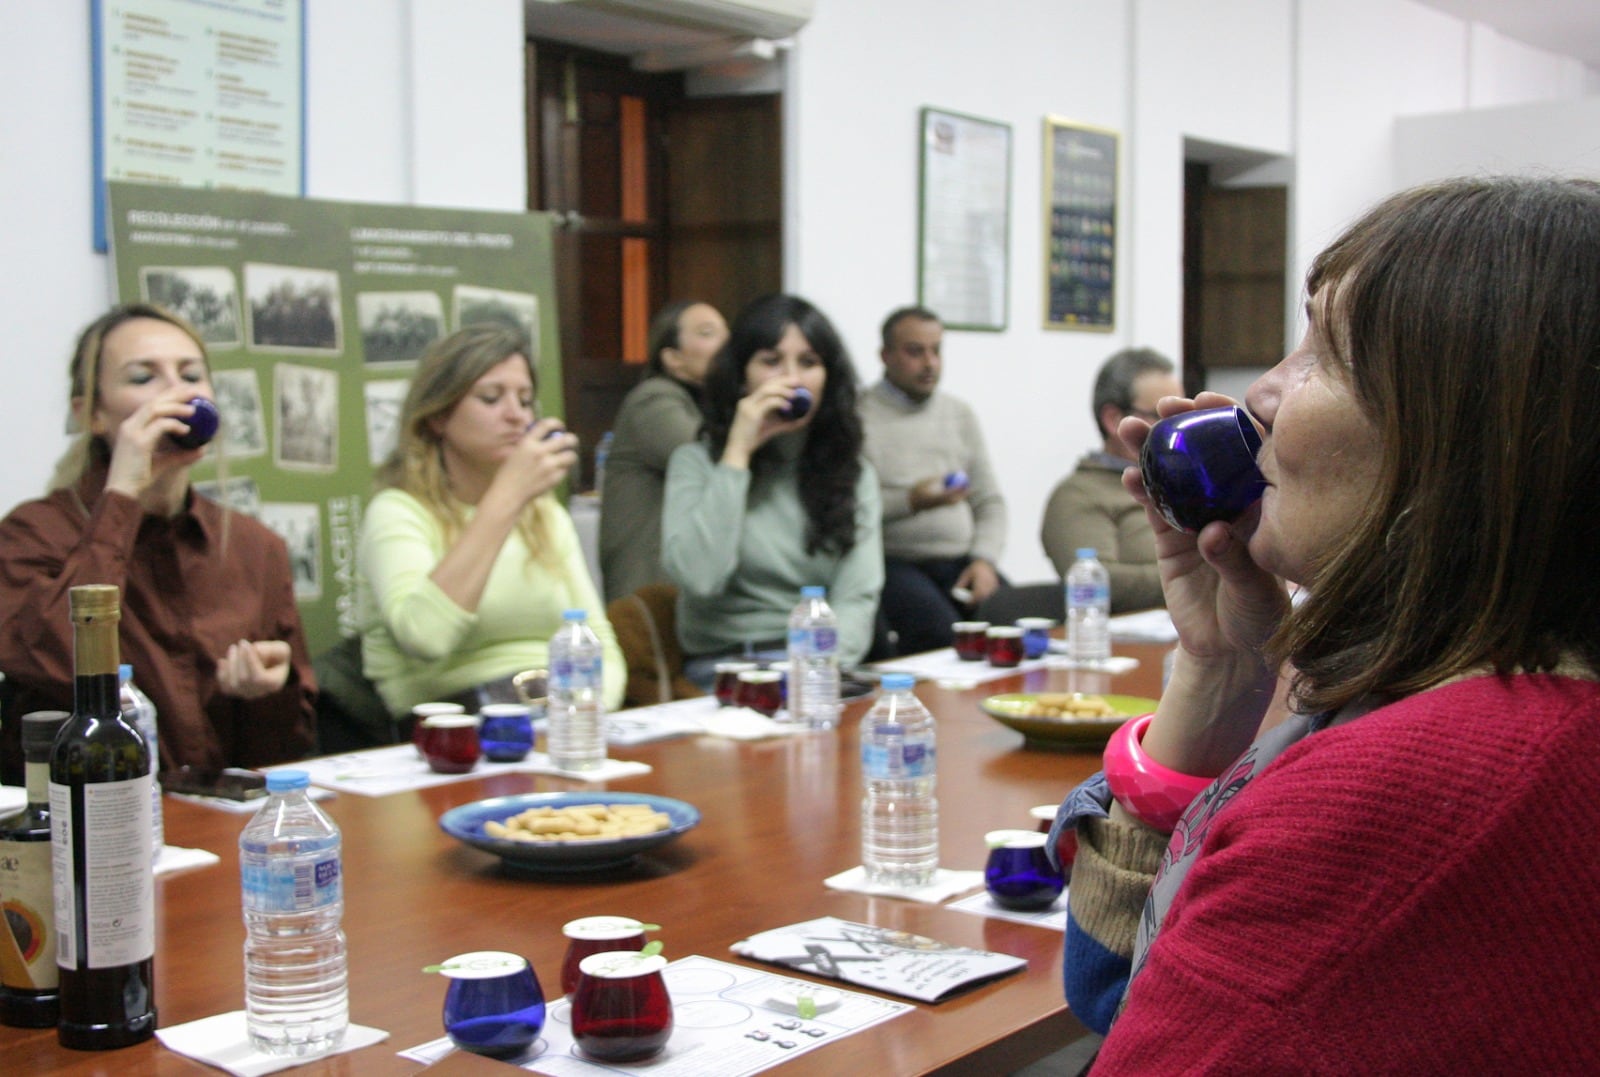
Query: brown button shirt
x=186, y=595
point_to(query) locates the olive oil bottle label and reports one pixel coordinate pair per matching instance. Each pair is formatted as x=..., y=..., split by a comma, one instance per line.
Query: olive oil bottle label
x=27, y=934
x=119, y=907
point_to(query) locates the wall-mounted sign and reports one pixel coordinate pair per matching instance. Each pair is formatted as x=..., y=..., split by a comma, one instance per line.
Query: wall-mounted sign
x=198, y=93
x=1080, y=226
x=964, y=222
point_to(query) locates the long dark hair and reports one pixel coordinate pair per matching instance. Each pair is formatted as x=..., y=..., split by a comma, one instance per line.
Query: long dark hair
x=831, y=460
x=1467, y=314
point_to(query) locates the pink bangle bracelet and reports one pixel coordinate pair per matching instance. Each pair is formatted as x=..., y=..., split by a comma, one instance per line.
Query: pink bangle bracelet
x=1154, y=794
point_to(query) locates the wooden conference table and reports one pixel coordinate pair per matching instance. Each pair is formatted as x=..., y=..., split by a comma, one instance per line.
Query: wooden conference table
x=778, y=817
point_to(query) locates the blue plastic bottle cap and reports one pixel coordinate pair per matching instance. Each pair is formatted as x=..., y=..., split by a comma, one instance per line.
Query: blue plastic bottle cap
x=813, y=591
x=897, y=682
x=281, y=781
x=1085, y=553
x=574, y=615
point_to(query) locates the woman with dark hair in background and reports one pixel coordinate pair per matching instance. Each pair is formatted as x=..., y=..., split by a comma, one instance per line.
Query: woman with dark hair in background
x=1400, y=877
x=763, y=504
x=466, y=559
x=659, y=414
x=209, y=622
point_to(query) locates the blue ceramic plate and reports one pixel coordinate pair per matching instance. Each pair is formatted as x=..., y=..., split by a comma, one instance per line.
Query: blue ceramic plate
x=465, y=824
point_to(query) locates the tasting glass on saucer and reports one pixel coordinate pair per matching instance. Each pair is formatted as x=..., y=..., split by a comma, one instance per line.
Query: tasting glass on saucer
x=596, y=935
x=1018, y=874
x=621, y=1011
x=494, y=1005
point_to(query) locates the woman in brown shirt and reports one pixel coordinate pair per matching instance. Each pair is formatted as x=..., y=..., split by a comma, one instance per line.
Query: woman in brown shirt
x=209, y=622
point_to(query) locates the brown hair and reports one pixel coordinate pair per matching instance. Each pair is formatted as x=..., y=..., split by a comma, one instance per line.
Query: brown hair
x=1467, y=315
x=445, y=374
x=83, y=374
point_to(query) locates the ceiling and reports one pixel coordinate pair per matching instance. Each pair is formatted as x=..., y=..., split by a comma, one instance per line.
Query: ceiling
x=1565, y=27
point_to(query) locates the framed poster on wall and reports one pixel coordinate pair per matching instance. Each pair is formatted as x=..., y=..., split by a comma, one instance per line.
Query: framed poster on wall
x=1080, y=226
x=198, y=93
x=964, y=220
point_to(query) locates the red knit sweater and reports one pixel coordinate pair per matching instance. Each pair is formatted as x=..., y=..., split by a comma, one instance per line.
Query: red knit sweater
x=1417, y=891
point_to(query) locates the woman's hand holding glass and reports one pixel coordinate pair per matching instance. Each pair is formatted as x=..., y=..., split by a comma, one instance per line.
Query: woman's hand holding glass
x=1225, y=607
x=142, y=450
x=539, y=463
x=758, y=419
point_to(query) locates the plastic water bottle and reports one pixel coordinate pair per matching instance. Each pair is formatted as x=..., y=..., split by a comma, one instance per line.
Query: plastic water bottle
x=899, y=814
x=602, y=453
x=1088, y=609
x=296, y=994
x=141, y=714
x=577, y=736
x=814, y=661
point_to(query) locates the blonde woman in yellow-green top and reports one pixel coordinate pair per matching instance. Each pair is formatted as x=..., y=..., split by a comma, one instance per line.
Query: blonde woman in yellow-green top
x=466, y=557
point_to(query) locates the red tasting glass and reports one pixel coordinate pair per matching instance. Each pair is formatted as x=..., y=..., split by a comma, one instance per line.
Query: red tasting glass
x=621, y=1011
x=450, y=742
x=971, y=640
x=1005, y=646
x=596, y=935
x=422, y=712
x=726, y=686
x=760, y=690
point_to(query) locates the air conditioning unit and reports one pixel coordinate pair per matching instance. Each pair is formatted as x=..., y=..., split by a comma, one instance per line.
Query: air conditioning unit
x=745, y=18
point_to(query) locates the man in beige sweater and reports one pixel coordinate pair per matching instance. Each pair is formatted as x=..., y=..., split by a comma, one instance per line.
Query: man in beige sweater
x=944, y=519
x=1090, y=508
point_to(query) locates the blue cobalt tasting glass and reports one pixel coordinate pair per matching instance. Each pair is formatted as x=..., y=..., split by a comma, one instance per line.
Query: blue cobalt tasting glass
x=1200, y=466
x=202, y=424
x=1018, y=874
x=494, y=1005
x=506, y=732
x=1035, y=635
x=799, y=403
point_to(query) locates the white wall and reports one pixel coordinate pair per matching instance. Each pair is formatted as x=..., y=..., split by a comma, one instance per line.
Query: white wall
x=1561, y=137
x=422, y=101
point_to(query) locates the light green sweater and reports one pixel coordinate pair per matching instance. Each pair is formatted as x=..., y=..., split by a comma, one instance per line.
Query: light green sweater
x=735, y=545
x=418, y=645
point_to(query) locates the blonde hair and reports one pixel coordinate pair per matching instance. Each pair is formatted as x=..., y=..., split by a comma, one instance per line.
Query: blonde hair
x=446, y=373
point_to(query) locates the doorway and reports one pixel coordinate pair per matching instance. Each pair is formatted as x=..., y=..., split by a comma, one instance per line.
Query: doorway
x=1235, y=266
x=658, y=196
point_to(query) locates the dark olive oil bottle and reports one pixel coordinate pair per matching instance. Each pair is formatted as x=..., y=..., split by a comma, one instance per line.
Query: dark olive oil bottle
x=101, y=846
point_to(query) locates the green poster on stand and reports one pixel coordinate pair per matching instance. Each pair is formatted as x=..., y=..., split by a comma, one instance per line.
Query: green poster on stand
x=314, y=314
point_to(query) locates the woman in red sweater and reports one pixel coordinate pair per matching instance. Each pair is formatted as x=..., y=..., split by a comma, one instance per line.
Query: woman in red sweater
x=1399, y=878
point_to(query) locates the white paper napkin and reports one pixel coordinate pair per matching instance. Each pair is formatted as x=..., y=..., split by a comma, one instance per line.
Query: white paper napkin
x=378, y=772
x=949, y=671
x=221, y=1041
x=539, y=763
x=947, y=883
x=1117, y=663
x=176, y=858
x=1055, y=917
x=742, y=723
x=12, y=797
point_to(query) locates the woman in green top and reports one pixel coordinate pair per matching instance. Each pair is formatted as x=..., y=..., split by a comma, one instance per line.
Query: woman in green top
x=659, y=414
x=763, y=503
